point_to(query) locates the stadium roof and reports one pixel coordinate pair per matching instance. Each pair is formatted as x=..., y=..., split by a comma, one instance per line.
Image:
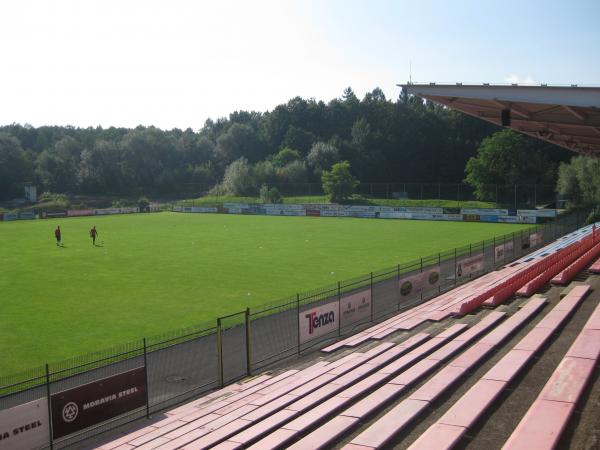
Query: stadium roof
x=568, y=116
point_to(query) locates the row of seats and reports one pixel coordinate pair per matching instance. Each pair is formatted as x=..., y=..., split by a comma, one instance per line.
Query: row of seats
x=546, y=419
x=467, y=410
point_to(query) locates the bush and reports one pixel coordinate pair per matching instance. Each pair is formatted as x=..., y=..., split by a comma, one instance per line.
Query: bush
x=594, y=216
x=239, y=178
x=270, y=195
x=51, y=201
x=338, y=183
x=143, y=203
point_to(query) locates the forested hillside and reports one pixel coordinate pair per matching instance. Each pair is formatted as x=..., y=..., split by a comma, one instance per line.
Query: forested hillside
x=384, y=140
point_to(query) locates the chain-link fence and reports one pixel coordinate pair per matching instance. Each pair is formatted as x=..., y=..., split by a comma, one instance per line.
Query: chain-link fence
x=162, y=371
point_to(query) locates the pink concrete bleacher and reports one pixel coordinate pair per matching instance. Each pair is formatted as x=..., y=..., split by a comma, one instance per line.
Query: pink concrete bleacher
x=595, y=267
x=543, y=424
x=410, y=365
x=566, y=275
x=212, y=418
x=465, y=412
x=378, y=434
x=328, y=399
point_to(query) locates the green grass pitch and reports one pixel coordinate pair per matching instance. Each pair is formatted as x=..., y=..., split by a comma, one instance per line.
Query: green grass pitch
x=160, y=272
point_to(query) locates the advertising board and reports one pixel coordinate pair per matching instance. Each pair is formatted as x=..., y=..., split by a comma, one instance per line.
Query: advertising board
x=537, y=212
x=420, y=282
x=535, y=239
x=484, y=211
x=25, y=426
x=107, y=211
x=92, y=403
x=469, y=265
x=80, y=212
x=318, y=321
x=26, y=215
x=355, y=307
x=54, y=214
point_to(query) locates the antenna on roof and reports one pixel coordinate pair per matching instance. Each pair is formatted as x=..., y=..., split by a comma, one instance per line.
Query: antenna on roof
x=409, y=71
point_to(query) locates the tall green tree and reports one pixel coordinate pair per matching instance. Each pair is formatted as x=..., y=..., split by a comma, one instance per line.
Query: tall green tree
x=506, y=158
x=338, y=183
x=13, y=166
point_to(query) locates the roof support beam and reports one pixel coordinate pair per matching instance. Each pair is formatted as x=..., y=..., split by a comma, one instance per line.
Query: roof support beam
x=574, y=112
x=515, y=109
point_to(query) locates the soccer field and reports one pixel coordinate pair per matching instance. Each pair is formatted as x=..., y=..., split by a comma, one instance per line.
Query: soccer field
x=159, y=272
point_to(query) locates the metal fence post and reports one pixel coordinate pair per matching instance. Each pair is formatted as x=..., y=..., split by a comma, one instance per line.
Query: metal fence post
x=49, y=406
x=298, y=320
x=248, y=346
x=219, y=354
x=455, y=277
x=339, y=310
x=146, y=378
x=372, y=299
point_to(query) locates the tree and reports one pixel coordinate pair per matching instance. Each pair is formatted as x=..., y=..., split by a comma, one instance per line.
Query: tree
x=579, y=181
x=240, y=140
x=507, y=158
x=294, y=172
x=13, y=165
x=57, y=167
x=100, y=169
x=286, y=156
x=338, y=183
x=322, y=156
x=239, y=179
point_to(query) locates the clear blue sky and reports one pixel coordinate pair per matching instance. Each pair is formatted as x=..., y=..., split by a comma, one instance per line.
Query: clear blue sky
x=175, y=63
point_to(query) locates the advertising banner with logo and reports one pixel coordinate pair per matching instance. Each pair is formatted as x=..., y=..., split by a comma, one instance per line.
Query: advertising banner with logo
x=53, y=214
x=25, y=426
x=420, y=282
x=467, y=266
x=92, y=403
x=319, y=321
x=485, y=211
x=537, y=212
x=203, y=209
x=355, y=307
x=508, y=219
x=535, y=239
x=107, y=211
x=313, y=212
x=26, y=216
x=80, y=212
x=129, y=210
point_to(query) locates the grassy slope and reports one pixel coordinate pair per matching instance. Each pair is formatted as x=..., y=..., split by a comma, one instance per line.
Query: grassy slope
x=356, y=200
x=164, y=271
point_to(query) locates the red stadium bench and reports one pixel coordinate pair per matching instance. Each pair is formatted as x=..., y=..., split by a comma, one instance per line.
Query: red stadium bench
x=377, y=398
x=577, y=266
x=398, y=418
x=326, y=406
x=465, y=412
x=546, y=419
